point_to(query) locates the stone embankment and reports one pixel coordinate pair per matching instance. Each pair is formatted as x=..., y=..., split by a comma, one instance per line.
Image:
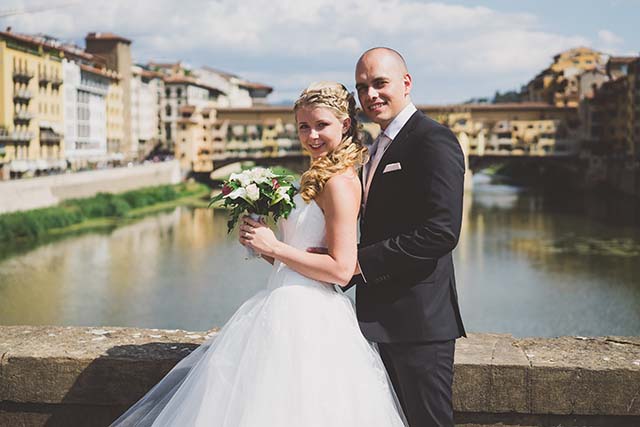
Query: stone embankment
x=71, y=376
x=33, y=193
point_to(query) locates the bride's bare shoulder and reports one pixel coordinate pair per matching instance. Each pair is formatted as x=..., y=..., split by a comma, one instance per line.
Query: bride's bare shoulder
x=341, y=188
x=345, y=181
x=347, y=178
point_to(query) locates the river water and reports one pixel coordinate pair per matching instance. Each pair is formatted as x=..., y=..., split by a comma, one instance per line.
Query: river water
x=528, y=264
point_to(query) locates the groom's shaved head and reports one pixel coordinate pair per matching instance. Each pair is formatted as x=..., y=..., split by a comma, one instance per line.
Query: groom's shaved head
x=383, y=84
x=387, y=53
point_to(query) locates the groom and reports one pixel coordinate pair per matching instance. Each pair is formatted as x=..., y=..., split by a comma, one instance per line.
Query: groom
x=412, y=209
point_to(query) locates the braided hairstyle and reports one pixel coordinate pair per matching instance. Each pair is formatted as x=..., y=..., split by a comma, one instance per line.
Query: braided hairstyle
x=351, y=151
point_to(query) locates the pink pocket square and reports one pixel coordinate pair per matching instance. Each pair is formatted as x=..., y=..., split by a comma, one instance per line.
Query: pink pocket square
x=392, y=167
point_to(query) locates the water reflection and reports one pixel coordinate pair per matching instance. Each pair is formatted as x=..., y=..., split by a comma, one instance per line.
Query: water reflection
x=527, y=264
x=519, y=271
x=177, y=269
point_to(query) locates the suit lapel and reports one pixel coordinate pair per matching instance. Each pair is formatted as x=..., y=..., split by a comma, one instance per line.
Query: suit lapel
x=362, y=175
x=394, y=147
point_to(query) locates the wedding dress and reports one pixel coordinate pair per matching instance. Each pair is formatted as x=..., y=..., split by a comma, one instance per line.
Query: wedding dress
x=291, y=356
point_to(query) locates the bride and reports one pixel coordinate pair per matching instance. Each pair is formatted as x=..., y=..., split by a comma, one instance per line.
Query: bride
x=292, y=355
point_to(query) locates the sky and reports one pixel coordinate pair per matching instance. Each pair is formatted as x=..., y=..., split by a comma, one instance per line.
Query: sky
x=455, y=50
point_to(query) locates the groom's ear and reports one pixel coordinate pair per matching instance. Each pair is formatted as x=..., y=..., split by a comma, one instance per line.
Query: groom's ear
x=408, y=83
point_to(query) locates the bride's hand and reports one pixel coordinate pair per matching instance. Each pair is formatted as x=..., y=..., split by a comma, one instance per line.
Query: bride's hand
x=258, y=236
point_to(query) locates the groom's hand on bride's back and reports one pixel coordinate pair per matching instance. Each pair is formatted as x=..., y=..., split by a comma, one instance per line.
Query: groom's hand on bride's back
x=357, y=277
x=318, y=250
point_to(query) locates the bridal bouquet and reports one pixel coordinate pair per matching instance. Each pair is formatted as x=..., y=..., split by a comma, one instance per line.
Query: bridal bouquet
x=258, y=192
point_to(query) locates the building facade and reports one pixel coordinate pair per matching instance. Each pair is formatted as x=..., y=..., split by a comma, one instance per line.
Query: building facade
x=559, y=84
x=116, y=52
x=146, y=92
x=86, y=90
x=236, y=92
x=611, y=116
x=31, y=107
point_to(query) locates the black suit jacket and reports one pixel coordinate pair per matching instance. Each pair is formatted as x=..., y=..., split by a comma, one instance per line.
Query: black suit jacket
x=407, y=232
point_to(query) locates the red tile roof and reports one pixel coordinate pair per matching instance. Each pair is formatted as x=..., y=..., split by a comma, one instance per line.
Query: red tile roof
x=107, y=36
x=623, y=59
x=113, y=75
x=151, y=74
x=252, y=85
x=70, y=51
x=31, y=40
x=190, y=81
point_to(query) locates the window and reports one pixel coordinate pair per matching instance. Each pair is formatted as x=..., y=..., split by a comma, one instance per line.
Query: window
x=168, y=110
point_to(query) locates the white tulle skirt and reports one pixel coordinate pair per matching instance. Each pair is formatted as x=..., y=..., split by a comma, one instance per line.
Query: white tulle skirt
x=291, y=356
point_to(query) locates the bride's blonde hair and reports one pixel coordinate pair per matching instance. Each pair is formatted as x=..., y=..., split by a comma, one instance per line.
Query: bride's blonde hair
x=351, y=152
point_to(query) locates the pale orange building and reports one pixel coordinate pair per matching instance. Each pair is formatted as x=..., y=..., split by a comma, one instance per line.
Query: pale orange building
x=559, y=84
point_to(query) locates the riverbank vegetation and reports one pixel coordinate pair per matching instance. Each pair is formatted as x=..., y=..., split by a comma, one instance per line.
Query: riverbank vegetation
x=102, y=210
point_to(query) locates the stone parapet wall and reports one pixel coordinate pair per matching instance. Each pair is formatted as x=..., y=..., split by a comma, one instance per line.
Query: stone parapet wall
x=33, y=193
x=72, y=376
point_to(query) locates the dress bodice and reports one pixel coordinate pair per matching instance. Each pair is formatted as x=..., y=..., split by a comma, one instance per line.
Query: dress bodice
x=304, y=228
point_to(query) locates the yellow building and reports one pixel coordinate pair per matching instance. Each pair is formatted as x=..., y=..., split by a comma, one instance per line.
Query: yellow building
x=613, y=114
x=206, y=134
x=582, y=58
x=271, y=129
x=115, y=120
x=201, y=139
x=115, y=51
x=260, y=131
x=31, y=106
x=525, y=128
x=560, y=83
x=218, y=131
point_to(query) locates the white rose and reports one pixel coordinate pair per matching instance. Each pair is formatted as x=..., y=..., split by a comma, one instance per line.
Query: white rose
x=260, y=175
x=238, y=192
x=253, y=192
x=243, y=178
x=282, y=193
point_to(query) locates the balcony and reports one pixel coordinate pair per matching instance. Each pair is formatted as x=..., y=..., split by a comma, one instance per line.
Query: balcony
x=15, y=137
x=22, y=117
x=48, y=136
x=56, y=82
x=22, y=96
x=44, y=79
x=22, y=75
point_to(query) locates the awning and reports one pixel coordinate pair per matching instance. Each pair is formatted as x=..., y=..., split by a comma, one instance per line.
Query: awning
x=19, y=166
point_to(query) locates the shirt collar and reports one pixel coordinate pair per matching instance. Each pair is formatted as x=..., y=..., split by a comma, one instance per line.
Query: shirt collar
x=398, y=123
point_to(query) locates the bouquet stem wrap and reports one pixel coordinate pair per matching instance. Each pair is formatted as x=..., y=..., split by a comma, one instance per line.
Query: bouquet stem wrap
x=251, y=253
